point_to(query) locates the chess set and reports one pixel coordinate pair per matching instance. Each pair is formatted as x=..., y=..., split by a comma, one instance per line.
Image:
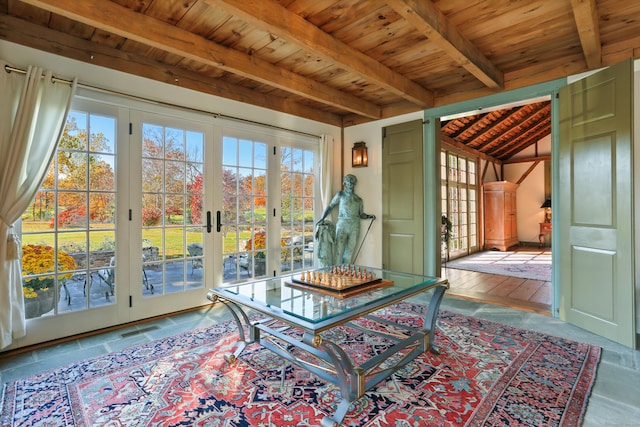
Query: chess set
x=339, y=280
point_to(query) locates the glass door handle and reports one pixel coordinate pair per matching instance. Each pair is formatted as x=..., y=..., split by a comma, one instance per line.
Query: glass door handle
x=208, y=221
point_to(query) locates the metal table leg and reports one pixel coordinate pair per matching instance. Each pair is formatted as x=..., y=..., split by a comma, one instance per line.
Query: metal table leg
x=330, y=361
x=237, y=312
x=431, y=316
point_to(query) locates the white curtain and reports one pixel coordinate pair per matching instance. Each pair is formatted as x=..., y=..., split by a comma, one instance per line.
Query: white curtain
x=33, y=111
x=326, y=167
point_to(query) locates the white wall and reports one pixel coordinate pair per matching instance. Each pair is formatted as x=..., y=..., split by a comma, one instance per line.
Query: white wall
x=530, y=194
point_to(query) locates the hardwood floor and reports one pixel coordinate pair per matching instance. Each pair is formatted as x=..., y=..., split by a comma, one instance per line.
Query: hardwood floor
x=514, y=292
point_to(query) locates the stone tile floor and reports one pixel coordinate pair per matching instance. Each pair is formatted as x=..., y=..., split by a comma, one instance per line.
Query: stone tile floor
x=614, y=402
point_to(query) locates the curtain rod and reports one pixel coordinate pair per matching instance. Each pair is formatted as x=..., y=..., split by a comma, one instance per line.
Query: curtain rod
x=10, y=69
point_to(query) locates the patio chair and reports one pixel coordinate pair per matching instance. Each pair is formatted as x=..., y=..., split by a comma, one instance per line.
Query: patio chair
x=106, y=276
x=145, y=280
x=195, y=251
x=245, y=262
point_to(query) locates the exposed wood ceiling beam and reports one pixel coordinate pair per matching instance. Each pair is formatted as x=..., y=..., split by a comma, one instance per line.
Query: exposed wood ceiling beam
x=124, y=22
x=585, y=13
x=525, y=139
x=274, y=18
x=427, y=18
x=533, y=130
x=495, y=127
x=527, y=159
x=527, y=172
x=612, y=53
x=392, y=110
x=450, y=142
x=484, y=173
x=527, y=76
x=493, y=145
x=28, y=34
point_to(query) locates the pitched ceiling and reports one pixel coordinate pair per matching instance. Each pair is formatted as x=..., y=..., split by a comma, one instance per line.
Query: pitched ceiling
x=340, y=62
x=499, y=135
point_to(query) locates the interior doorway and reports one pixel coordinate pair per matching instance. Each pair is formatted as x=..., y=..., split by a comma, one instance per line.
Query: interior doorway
x=507, y=143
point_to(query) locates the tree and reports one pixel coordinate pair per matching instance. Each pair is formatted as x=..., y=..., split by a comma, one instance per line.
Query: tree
x=195, y=199
x=229, y=198
x=78, y=167
x=260, y=191
x=308, y=192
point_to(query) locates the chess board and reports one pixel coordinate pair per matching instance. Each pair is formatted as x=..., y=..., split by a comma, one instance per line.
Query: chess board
x=348, y=285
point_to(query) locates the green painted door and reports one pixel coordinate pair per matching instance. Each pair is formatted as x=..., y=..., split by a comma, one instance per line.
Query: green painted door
x=402, y=198
x=595, y=204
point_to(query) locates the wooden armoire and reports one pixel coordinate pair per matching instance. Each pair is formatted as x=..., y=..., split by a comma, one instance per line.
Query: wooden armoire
x=500, y=216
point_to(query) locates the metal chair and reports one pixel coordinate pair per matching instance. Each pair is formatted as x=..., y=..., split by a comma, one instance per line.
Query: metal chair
x=106, y=276
x=195, y=251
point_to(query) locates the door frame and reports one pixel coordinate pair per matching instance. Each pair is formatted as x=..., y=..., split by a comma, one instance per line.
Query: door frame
x=432, y=165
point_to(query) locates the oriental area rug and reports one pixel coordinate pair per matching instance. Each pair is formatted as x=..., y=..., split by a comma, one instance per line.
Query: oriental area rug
x=528, y=264
x=487, y=374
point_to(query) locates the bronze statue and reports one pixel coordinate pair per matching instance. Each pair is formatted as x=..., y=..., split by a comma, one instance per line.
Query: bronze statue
x=350, y=212
x=324, y=240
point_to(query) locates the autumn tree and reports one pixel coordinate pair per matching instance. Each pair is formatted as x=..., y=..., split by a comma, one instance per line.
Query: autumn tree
x=79, y=167
x=195, y=199
x=164, y=174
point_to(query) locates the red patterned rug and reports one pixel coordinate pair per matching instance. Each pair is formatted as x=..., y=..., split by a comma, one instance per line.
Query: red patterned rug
x=488, y=374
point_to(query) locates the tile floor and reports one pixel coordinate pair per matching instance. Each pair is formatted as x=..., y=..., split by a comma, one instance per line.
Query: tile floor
x=614, y=402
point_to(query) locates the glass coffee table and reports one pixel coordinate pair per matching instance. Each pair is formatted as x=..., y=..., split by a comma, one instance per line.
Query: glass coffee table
x=292, y=313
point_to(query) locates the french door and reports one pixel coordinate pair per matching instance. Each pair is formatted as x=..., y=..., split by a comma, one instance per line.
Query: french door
x=297, y=208
x=171, y=200
x=245, y=207
x=141, y=213
x=459, y=203
x=268, y=205
x=70, y=231
x=118, y=230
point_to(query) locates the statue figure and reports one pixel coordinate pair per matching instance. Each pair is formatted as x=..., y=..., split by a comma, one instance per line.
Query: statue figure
x=325, y=238
x=350, y=212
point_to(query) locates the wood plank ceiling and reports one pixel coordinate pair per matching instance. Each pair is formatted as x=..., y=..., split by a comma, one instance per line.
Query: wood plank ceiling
x=340, y=62
x=499, y=135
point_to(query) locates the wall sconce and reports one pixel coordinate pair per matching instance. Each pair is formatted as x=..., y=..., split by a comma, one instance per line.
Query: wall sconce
x=547, y=210
x=359, y=155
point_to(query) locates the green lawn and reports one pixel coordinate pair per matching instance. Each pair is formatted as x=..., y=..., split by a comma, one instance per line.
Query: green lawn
x=74, y=240
x=38, y=232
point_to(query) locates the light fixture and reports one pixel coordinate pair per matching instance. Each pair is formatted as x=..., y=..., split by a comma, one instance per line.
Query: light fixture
x=547, y=210
x=359, y=155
